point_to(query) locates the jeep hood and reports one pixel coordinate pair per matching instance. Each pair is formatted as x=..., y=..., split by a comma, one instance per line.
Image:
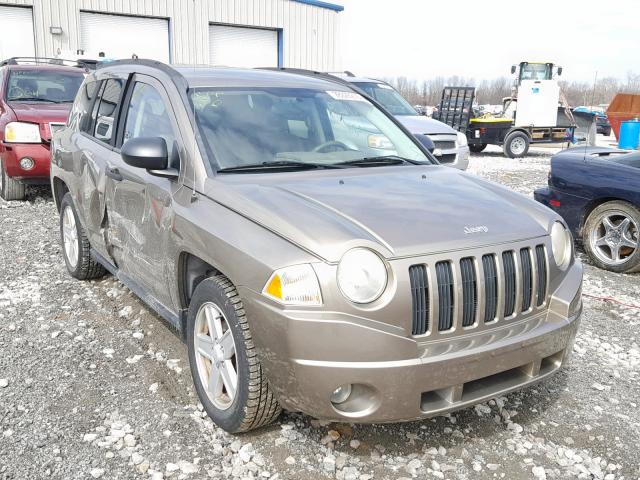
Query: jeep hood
x=425, y=125
x=399, y=211
x=41, y=112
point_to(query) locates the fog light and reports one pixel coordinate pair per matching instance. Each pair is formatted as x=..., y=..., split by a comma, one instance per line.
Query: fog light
x=26, y=163
x=341, y=394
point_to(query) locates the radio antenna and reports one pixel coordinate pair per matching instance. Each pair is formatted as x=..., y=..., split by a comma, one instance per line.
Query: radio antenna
x=194, y=195
x=595, y=115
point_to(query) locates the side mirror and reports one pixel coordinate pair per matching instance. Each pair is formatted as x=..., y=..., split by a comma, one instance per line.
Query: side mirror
x=559, y=71
x=513, y=69
x=426, y=142
x=149, y=153
x=146, y=152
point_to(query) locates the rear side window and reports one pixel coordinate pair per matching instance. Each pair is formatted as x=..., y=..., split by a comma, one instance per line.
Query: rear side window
x=80, y=116
x=106, y=109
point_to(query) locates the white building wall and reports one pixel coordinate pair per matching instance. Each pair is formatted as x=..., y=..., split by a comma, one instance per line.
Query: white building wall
x=310, y=33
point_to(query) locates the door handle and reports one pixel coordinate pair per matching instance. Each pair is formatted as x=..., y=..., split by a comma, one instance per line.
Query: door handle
x=114, y=173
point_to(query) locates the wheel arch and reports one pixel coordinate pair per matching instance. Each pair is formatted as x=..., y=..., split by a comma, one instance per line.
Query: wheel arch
x=518, y=129
x=595, y=203
x=60, y=189
x=191, y=271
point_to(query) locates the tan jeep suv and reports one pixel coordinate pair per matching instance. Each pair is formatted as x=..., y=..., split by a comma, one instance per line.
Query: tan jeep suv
x=309, y=266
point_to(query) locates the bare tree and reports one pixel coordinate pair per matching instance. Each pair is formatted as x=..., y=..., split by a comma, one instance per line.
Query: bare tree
x=492, y=91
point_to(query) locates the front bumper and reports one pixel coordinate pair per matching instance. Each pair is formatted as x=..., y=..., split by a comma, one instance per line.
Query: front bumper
x=11, y=154
x=456, y=158
x=300, y=353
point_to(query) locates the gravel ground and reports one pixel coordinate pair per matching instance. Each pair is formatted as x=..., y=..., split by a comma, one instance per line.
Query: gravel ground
x=94, y=385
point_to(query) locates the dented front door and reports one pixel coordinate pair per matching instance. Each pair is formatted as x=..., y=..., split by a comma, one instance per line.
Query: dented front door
x=139, y=204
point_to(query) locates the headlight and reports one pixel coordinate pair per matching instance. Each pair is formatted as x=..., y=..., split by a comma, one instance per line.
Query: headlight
x=362, y=275
x=295, y=285
x=461, y=139
x=561, y=244
x=20, y=132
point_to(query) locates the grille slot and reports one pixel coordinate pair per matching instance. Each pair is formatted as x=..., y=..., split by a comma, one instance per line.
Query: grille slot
x=469, y=291
x=527, y=278
x=420, y=297
x=541, y=263
x=490, y=287
x=444, y=277
x=509, y=283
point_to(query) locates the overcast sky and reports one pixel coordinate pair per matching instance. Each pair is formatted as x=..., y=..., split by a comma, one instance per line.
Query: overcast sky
x=482, y=39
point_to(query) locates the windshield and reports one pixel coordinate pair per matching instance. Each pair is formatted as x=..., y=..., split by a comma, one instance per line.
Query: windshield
x=242, y=127
x=535, y=71
x=387, y=97
x=43, y=86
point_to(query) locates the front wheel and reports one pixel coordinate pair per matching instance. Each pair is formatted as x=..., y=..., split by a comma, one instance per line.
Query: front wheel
x=611, y=237
x=10, y=188
x=224, y=365
x=516, y=145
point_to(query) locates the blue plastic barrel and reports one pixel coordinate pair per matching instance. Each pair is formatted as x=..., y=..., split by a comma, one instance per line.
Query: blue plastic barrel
x=629, y=135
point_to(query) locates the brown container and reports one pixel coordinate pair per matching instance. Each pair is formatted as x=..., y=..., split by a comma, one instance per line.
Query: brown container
x=625, y=106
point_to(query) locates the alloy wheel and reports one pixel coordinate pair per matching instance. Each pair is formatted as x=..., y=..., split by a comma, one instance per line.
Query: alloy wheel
x=615, y=238
x=216, y=355
x=70, y=236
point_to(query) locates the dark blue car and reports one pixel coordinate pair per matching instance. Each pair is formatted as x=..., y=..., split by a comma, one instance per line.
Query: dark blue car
x=597, y=192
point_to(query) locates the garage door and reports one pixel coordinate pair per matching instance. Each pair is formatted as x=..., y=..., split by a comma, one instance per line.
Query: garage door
x=243, y=46
x=120, y=36
x=16, y=33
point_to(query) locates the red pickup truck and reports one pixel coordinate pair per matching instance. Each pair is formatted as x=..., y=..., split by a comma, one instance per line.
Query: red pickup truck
x=35, y=99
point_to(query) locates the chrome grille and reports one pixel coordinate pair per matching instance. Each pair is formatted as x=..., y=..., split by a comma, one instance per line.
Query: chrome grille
x=444, y=144
x=477, y=290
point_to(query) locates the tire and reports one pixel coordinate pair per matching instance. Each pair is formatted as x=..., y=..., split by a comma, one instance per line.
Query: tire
x=79, y=261
x=10, y=188
x=253, y=404
x=478, y=147
x=516, y=145
x=601, y=241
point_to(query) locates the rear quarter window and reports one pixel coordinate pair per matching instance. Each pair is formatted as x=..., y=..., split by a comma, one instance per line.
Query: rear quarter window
x=106, y=110
x=80, y=115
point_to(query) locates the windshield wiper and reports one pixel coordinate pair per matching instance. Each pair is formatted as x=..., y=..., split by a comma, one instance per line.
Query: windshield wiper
x=34, y=99
x=282, y=164
x=382, y=160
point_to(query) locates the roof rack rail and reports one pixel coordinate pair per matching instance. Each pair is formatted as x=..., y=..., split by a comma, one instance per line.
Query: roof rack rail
x=344, y=72
x=175, y=76
x=310, y=73
x=166, y=68
x=82, y=63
